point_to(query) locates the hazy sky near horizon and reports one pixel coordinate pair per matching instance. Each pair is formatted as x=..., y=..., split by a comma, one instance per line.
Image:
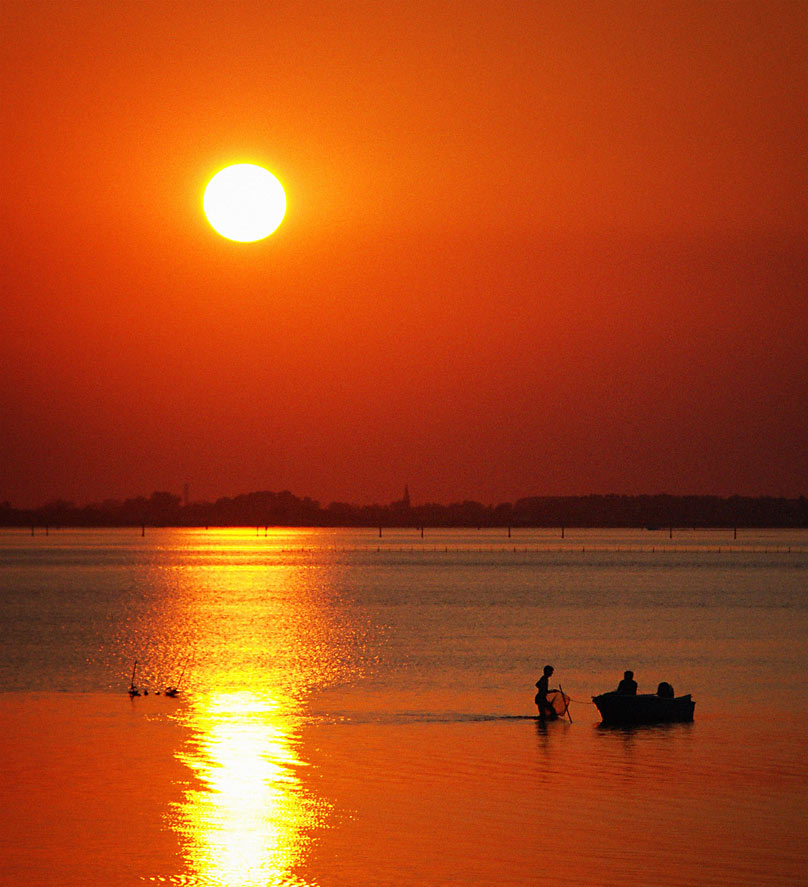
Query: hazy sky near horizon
x=530, y=248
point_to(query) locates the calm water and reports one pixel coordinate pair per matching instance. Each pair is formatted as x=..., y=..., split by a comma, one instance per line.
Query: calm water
x=357, y=710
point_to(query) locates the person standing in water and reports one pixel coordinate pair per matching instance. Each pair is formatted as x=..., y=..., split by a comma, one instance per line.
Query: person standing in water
x=545, y=709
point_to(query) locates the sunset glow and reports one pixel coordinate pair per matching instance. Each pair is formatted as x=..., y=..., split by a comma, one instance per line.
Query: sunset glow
x=360, y=359
x=529, y=249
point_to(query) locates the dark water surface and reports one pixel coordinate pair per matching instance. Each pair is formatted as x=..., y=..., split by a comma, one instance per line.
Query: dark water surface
x=357, y=711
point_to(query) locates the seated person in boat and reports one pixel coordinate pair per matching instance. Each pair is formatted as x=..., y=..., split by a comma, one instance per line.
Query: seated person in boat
x=628, y=686
x=665, y=690
x=545, y=709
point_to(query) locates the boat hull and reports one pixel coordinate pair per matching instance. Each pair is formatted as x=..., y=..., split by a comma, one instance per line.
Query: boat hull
x=645, y=708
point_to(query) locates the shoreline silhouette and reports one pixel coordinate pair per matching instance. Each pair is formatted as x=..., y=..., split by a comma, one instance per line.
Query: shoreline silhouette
x=655, y=513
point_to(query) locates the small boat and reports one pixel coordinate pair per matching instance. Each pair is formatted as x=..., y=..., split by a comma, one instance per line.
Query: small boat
x=133, y=690
x=174, y=691
x=644, y=708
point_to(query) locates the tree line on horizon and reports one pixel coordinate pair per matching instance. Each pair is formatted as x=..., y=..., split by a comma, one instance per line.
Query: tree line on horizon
x=265, y=509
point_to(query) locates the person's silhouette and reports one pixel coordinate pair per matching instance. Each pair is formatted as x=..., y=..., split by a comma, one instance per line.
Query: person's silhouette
x=628, y=686
x=545, y=709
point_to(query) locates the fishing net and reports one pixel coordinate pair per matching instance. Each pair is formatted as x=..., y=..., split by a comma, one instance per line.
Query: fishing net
x=558, y=701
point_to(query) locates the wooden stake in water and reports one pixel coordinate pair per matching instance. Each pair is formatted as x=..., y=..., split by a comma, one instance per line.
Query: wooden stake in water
x=566, y=703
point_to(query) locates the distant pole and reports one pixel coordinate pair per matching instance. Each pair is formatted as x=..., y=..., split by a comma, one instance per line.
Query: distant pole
x=509, y=532
x=46, y=530
x=380, y=531
x=133, y=691
x=562, y=532
x=143, y=530
x=735, y=533
x=670, y=533
x=422, y=531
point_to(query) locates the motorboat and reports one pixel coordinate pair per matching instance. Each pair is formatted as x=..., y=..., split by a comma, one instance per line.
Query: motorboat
x=644, y=708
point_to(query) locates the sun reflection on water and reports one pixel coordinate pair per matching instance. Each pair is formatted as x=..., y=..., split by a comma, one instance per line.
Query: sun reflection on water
x=246, y=816
x=255, y=636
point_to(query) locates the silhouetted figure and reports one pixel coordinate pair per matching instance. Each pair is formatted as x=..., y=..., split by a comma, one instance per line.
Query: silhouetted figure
x=665, y=690
x=628, y=686
x=545, y=709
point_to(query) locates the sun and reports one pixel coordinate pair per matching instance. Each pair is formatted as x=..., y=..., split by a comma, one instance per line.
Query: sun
x=244, y=202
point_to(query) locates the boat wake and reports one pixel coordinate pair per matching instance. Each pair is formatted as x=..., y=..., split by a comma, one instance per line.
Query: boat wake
x=411, y=717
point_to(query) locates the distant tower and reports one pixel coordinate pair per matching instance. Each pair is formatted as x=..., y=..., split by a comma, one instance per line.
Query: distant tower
x=402, y=506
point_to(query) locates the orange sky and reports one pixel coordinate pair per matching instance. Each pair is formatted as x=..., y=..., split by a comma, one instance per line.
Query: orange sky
x=530, y=248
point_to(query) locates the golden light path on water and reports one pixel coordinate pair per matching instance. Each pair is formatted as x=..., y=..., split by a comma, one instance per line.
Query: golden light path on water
x=259, y=635
x=245, y=822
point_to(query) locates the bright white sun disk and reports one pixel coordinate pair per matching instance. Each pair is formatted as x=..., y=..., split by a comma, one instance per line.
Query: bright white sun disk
x=244, y=202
